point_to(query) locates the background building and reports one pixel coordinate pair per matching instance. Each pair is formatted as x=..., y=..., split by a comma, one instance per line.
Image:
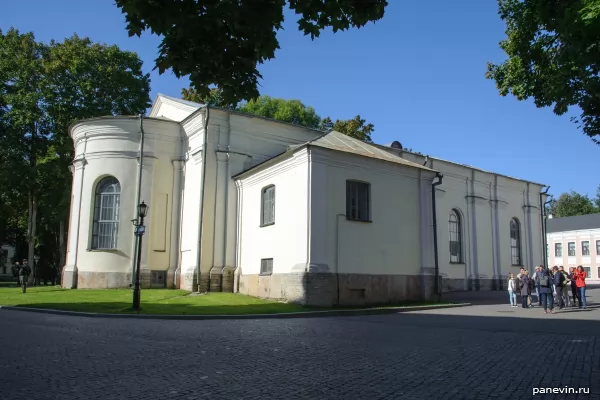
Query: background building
x=574, y=241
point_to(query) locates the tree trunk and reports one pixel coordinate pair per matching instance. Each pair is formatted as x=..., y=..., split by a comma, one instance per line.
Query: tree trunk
x=62, y=260
x=31, y=220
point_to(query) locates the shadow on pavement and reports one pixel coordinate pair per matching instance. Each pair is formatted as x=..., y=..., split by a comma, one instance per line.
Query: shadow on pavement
x=501, y=296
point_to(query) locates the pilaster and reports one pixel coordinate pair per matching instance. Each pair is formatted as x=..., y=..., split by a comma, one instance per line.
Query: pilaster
x=176, y=210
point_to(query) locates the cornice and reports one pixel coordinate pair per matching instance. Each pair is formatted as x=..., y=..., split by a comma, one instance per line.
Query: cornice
x=275, y=170
x=120, y=154
x=122, y=127
x=197, y=155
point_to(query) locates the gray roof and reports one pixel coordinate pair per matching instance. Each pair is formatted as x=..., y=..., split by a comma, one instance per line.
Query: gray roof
x=339, y=142
x=579, y=222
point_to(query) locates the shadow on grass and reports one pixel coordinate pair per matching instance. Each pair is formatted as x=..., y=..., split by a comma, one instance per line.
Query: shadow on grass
x=175, y=307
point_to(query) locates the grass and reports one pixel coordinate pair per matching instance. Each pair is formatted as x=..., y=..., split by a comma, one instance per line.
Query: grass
x=153, y=301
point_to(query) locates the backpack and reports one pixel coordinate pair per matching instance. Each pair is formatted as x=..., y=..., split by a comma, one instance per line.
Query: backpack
x=545, y=281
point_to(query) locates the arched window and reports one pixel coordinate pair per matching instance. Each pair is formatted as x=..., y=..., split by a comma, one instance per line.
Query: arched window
x=455, y=231
x=515, y=242
x=267, y=213
x=106, y=214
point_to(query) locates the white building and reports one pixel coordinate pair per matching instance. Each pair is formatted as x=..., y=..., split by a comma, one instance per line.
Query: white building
x=275, y=210
x=574, y=241
x=6, y=260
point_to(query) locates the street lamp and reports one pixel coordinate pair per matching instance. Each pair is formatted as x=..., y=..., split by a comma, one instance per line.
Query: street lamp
x=142, y=210
x=36, y=258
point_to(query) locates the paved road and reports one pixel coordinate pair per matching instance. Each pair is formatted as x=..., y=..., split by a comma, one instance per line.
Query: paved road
x=479, y=352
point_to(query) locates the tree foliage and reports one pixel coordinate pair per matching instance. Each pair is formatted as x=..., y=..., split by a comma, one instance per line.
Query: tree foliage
x=553, y=57
x=292, y=111
x=355, y=127
x=43, y=89
x=222, y=42
x=572, y=204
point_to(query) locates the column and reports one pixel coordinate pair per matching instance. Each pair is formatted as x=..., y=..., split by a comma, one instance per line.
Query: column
x=69, y=277
x=173, y=271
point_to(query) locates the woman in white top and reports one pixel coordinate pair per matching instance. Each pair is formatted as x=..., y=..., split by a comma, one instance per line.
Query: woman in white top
x=512, y=289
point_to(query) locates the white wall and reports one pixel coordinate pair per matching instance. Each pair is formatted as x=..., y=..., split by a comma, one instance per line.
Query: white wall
x=110, y=147
x=486, y=202
x=286, y=240
x=391, y=243
x=6, y=267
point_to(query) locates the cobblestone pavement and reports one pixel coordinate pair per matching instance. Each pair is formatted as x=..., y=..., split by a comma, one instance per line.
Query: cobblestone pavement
x=466, y=353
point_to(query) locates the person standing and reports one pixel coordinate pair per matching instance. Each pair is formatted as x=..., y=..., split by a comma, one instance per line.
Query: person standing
x=24, y=272
x=566, y=286
x=559, y=281
x=546, y=291
x=574, y=291
x=513, y=286
x=580, y=276
x=525, y=289
x=536, y=281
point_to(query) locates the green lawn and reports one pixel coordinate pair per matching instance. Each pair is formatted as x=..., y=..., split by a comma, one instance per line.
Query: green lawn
x=153, y=301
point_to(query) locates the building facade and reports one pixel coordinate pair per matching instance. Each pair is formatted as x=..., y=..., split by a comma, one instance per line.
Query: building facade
x=241, y=203
x=574, y=241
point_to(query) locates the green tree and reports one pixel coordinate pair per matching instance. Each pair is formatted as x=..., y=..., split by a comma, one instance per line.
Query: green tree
x=292, y=111
x=355, y=127
x=222, y=43
x=214, y=98
x=572, y=204
x=44, y=88
x=553, y=57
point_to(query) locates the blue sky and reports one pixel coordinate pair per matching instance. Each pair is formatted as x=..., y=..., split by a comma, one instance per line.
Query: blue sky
x=417, y=75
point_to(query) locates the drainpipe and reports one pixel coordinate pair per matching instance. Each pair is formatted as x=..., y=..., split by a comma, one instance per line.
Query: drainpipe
x=227, y=178
x=83, y=162
x=544, y=219
x=238, y=245
x=138, y=195
x=201, y=222
x=337, y=255
x=435, y=243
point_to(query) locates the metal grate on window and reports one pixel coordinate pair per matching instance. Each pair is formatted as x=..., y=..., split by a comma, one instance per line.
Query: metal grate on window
x=268, y=206
x=266, y=266
x=358, y=207
x=106, y=214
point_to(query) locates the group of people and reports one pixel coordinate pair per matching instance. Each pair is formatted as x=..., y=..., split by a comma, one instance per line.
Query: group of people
x=21, y=274
x=551, y=286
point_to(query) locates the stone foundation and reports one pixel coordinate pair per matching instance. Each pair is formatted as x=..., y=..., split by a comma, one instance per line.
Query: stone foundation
x=104, y=280
x=69, y=277
x=323, y=289
x=188, y=282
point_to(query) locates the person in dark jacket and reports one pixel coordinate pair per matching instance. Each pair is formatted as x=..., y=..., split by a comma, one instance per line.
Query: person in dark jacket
x=525, y=289
x=24, y=273
x=546, y=291
x=558, y=279
x=574, y=290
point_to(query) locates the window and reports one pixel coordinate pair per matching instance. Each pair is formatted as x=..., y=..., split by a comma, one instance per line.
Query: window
x=106, y=214
x=267, y=216
x=588, y=272
x=158, y=279
x=598, y=272
x=515, y=242
x=358, y=201
x=266, y=266
x=571, y=249
x=598, y=247
x=455, y=231
x=585, y=248
x=558, y=249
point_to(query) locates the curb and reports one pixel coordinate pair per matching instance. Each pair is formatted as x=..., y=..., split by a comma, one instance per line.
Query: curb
x=307, y=314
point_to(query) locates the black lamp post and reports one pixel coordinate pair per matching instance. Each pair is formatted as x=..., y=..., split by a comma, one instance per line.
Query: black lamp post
x=36, y=258
x=139, y=232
